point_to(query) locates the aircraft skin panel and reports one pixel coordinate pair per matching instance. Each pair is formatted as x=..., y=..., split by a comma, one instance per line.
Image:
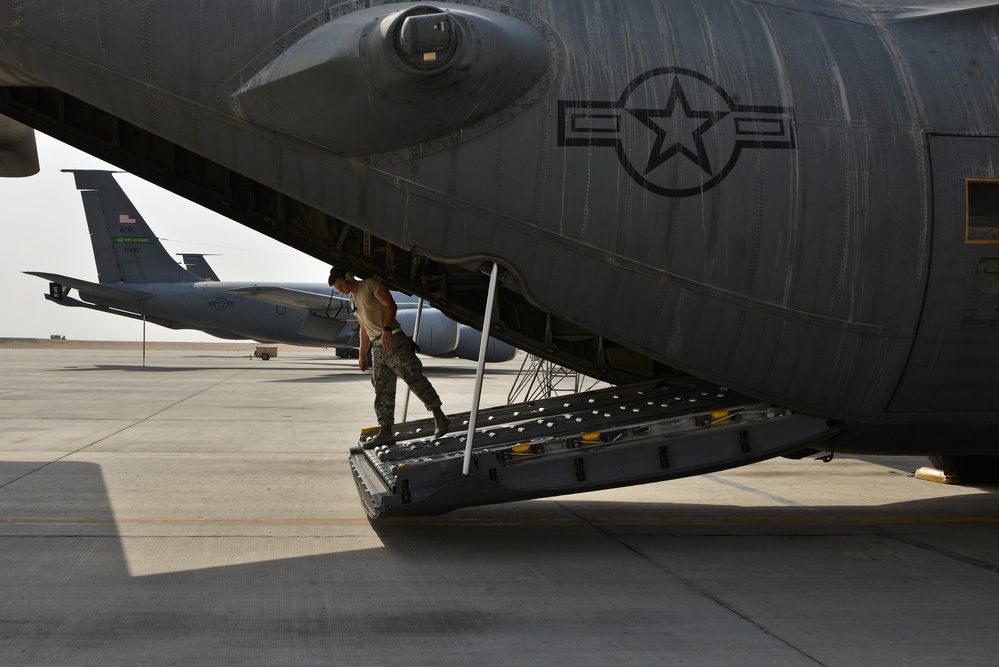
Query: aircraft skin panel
x=953, y=356
x=108, y=269
x=743, y=187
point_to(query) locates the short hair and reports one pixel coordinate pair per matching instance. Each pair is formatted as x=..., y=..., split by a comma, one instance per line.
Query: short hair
x=336, y=273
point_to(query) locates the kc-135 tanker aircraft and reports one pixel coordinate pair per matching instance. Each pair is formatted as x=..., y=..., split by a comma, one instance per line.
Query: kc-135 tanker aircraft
x=137, y=278
x=773, y=225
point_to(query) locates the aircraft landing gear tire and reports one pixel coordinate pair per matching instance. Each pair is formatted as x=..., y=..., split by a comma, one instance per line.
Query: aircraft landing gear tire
x=969, y=469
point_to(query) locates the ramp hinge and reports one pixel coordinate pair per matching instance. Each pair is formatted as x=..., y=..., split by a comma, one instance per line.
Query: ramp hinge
x=744, y=441
x=580, y=470
x=664, y=457
x=405, y=494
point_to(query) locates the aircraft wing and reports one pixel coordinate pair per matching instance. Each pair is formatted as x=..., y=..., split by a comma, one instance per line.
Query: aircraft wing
x=98, y=290
x=290, y=298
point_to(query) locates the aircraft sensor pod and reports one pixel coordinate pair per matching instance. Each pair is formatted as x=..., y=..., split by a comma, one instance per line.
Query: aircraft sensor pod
x=371, y=82
x=425, y=38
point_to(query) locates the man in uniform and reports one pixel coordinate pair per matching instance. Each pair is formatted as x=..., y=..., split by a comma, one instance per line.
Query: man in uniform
x=392, y=355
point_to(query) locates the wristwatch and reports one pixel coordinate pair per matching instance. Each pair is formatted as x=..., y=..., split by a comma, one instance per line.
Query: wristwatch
x=387, y=329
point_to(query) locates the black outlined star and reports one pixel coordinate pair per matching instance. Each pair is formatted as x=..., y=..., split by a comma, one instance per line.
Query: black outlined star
x=657, y=156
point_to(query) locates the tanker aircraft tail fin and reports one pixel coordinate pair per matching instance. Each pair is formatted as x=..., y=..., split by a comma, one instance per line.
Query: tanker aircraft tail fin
x=125, y=248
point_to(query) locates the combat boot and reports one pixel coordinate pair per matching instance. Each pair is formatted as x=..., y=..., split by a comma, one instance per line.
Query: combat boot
x=383, y=437
x=441, y=422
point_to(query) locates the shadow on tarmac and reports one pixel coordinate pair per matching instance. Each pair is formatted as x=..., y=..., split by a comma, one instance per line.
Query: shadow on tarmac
x=471, y=585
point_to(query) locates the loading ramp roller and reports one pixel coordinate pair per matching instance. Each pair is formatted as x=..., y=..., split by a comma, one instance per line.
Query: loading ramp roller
x=612, y=437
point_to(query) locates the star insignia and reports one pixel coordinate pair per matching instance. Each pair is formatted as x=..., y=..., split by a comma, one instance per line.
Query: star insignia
x=661, y=152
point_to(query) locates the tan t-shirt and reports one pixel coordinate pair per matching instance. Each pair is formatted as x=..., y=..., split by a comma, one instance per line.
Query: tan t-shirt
x=370, y=311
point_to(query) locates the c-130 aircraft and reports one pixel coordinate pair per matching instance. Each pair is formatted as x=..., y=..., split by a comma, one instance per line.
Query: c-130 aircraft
x=786, y=210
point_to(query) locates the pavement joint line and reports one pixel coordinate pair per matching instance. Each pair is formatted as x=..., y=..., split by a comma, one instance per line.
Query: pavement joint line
x=123, y=429
x=760, y=492
x=869, y=527
x=707, y=594
x=940, y=551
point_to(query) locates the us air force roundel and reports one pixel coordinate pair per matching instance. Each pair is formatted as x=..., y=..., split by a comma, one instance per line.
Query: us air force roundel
x=676, y=132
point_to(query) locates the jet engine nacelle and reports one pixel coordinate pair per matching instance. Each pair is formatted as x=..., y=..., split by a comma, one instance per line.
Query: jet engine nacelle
x=470, y=340
x=438, y=333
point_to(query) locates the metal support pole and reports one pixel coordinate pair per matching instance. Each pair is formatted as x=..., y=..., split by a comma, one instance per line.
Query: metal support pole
x=487, y=321
x=143, y=340
x=416, y=337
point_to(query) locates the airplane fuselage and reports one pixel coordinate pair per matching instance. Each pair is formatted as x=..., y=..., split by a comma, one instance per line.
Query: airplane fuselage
x=792, y=199
x=208, y=306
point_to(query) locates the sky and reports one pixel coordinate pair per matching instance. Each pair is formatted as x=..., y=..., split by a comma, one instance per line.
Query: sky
x=45, y=229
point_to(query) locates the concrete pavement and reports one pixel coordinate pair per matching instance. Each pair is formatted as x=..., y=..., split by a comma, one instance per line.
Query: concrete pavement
x=200, y=510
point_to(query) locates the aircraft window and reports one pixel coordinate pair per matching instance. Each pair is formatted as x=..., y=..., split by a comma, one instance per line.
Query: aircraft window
x=983, y=211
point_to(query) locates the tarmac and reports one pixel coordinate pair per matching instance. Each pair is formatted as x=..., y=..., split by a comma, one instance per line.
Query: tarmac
x=199, y=510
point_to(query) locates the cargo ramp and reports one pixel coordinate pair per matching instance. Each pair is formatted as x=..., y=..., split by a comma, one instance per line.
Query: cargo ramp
x=619, y=436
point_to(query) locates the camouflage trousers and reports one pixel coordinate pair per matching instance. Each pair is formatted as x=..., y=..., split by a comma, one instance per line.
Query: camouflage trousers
x=389, y=365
